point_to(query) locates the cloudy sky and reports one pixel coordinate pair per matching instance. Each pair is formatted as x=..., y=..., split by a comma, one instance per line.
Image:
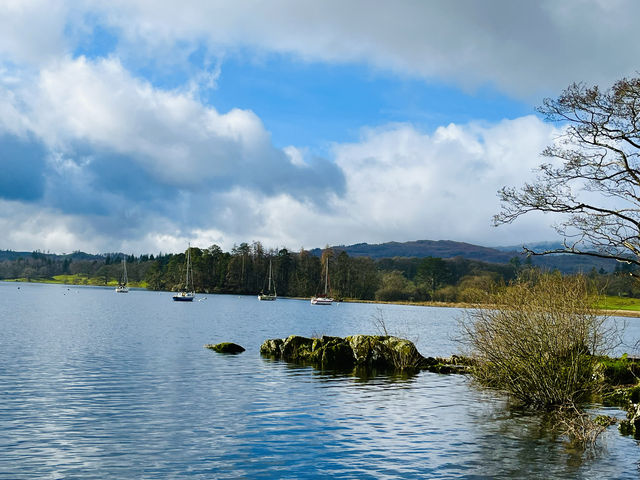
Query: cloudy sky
x=139, y=126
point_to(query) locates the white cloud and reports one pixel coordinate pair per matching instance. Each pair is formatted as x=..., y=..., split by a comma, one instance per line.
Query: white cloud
x=117, y=151
x=31, y=227
x=401, y=184
x=135, y=167
x=443, y=185
x=97, y=106
x=523, y=48
x=32, y=31
x=404, y=184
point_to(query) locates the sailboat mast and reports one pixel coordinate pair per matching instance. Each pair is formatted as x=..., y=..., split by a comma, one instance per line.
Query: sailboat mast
x=269, y=276
x=326, y=277
x=188, y=265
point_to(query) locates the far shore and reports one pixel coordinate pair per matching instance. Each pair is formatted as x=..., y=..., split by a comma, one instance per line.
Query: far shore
x=606, y=311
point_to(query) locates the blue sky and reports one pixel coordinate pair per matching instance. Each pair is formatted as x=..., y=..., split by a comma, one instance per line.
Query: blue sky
x=313, y=104
x=141, y=126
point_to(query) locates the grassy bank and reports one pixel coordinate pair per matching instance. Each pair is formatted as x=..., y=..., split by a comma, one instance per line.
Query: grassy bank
x=619, y=303
x=77, y=280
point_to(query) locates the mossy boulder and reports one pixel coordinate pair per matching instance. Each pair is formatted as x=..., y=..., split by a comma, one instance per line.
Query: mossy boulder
x=631, y=426
x=381, y=352
x=226, y=347
x=386, y=352
x=617, y=371
x=330, y=352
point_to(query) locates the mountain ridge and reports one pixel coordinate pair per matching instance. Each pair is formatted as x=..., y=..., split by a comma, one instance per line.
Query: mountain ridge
x=565, y=263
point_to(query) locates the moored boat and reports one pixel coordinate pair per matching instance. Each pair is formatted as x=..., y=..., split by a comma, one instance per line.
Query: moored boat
x=122, y=286
x=187, y=294
x=270, y=295
x=324, y=298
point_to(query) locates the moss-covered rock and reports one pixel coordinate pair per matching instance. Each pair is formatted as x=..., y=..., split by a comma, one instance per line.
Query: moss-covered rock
x=272, y=348
x=617, y=371
x=605, y=420
x=298, y=349
x=631, y=426
x=360, y=351
x=226, y=347
x=334, y=353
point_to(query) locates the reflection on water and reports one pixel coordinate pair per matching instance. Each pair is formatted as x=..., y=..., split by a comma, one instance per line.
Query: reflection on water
x=94, y=385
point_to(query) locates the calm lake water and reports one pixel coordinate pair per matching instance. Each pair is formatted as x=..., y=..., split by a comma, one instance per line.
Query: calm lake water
x=95, y=384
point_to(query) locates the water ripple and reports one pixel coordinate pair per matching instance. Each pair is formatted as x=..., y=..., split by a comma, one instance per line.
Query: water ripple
x=95, y=385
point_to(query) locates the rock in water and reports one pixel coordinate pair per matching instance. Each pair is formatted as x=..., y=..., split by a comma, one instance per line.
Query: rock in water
x=360, y=351
x=370, y=351
x=226, y=347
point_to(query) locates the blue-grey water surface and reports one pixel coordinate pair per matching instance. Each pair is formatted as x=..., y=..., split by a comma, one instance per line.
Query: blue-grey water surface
x=95, y=384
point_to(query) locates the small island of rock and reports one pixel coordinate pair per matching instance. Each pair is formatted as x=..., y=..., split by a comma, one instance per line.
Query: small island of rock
x=225, y=347
x=368, y=351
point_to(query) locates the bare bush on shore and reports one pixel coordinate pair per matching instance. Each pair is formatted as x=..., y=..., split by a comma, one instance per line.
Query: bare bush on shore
x=538, y=342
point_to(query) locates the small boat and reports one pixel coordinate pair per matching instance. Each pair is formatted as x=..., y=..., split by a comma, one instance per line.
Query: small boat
x=269, y=296
x=187, y=294
x=324, y=298
x=122, y=286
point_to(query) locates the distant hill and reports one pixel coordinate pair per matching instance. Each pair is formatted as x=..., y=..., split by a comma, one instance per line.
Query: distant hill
x=425, y=248
x=452, y=249
x=12, y=255
x=538, y=247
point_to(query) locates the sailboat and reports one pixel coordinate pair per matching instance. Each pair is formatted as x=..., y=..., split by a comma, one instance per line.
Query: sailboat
x=122, y=286
x=324, y=298
x=269, y=295
x=187, y=294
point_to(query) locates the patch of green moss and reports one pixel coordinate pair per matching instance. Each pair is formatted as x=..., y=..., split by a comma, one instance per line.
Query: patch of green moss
x=226, y=347
x=605, y=420
x=618, y=371
x=622, y=397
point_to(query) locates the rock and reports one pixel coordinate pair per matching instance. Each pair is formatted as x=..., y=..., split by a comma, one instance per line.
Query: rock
x=272, y=348
x=226, y=347
x=334, y=352
x=360, y=351
x=297, y=349
x=605, y=420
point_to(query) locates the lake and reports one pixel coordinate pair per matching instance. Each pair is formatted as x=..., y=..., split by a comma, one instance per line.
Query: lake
x=95, y=384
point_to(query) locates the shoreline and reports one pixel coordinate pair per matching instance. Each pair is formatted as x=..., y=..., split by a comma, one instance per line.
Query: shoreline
x=606, y=311
x=609, y=312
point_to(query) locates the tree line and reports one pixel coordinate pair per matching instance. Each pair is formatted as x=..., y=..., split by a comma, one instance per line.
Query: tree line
x=244, y=270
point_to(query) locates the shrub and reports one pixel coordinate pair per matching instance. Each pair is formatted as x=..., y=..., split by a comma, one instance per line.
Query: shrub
x=538, y=341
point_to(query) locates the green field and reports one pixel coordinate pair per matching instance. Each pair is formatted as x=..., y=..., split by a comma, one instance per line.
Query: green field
x=78, y=280
x=619, y=303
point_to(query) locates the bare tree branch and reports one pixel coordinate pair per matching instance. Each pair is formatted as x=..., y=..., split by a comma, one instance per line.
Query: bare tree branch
x=593, y=179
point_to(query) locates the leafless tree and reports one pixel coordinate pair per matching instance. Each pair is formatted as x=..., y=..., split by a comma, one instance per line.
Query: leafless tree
x=593, y=177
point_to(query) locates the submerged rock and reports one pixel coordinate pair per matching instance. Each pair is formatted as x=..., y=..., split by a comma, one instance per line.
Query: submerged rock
x=226, y=347
x=361, y=351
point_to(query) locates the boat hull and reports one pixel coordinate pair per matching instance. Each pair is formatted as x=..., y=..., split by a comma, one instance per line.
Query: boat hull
x=321, y=301
x=183, y=297
x=266, y=298
x=122, y=290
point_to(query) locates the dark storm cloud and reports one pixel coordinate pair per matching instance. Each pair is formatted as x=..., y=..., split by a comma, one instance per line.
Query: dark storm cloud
x=22, y=164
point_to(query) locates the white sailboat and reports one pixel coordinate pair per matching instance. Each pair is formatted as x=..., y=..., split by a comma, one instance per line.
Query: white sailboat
x=324, y=298
x=122, y=286
x=187, y=294
x=269, y=295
